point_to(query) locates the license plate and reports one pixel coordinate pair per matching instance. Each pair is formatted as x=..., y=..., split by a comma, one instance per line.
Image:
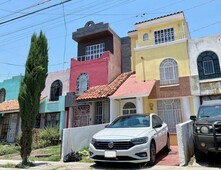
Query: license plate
x=110, y=154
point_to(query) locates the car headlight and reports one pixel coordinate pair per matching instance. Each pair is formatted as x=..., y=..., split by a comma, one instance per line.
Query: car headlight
x=93, y=141
x=204, y=129
x=138, y=141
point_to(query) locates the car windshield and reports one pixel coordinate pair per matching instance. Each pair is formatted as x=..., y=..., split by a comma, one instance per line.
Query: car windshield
x=210, y=111
x=131, y=121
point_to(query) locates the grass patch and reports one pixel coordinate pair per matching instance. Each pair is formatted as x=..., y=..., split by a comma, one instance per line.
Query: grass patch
x=192, y=160
x=85, y=155
x=9, y=149
x=55, y=150
x=8, y=165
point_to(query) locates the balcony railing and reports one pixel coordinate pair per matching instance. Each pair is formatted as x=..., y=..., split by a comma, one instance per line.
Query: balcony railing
x=161, y=39
x=89, y=57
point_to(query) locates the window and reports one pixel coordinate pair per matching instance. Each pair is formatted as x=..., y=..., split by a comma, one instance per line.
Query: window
x=56, y=90
x=145, y=37
x=93, y=52
x=2, y=95
x=170, y=112
x=52, y=119
x=208, y=65
x=165, y=35
x=169, y=72
x=82, y=83
x=129, y=108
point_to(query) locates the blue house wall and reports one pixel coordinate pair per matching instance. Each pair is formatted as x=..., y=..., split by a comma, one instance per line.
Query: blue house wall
x=12, y=87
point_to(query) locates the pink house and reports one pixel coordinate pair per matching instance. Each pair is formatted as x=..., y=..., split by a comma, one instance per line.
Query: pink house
x=98, y=63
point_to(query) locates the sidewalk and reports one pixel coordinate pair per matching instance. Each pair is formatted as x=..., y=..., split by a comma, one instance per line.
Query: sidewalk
x=79, y=166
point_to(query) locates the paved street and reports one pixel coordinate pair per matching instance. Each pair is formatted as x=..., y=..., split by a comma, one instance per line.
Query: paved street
x=78, y=166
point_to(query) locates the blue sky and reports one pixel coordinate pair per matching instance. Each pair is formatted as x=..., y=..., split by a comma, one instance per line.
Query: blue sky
x=58, y=23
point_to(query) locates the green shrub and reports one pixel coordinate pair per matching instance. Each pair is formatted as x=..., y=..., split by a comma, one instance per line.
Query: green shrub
x=45, y=137
x=8, y=149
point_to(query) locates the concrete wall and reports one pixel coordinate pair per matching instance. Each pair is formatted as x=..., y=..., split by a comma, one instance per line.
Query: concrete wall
x=185, y=141
x=114, y=66
x=75, y=139
x=63, y=76
x=48, y=106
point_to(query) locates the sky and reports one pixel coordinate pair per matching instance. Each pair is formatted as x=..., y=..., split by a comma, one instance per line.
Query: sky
x=59, y=18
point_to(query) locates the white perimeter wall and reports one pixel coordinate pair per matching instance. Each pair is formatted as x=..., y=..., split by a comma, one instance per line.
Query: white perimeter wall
x=75, y=139
x=185, y=141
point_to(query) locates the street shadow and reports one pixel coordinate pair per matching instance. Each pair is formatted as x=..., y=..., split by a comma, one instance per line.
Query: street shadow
x=212, y=160
x=40, y=163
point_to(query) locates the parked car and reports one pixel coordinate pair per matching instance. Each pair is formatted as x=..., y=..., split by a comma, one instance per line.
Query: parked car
x=133, y=138
x=207, y=129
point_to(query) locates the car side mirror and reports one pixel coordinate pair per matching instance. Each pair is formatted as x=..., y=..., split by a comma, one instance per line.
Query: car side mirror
x=193, y=117
x=106, y=126
x=158, y=125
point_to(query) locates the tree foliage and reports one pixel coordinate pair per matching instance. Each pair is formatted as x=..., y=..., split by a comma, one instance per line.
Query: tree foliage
x=36, y=70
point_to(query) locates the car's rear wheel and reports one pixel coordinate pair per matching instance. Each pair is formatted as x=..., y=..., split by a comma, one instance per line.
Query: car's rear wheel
x=152, y=153
x=199, y=155
x=167, y=147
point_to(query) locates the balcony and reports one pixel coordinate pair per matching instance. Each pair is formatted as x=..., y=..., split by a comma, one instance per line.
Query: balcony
x=162, y=39
x=90, y=56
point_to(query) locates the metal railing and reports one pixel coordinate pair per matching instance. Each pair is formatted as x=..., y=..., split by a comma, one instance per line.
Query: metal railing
x=89, y=57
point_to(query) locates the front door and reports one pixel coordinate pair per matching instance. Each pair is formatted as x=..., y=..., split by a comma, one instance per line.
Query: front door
x=12, y=128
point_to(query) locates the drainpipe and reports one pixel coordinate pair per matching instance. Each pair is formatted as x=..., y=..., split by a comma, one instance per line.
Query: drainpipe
x=143, y=67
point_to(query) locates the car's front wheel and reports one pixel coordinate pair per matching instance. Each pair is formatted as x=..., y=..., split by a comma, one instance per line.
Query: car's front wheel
x=152, y=153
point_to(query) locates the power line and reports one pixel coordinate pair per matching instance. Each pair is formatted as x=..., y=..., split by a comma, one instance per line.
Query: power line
x=4, y=2
x=32, y=6
x=22, y=16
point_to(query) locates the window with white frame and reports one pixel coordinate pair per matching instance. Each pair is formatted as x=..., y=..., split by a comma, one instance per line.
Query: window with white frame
x=82, y=83
x=165, y=35
x=145, y=37
x=170, y=112
x=169, y=72
x=129, y=108
x=94, y=51
x=208, y=67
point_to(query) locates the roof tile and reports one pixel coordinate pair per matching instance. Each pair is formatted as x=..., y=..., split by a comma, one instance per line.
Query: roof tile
x=103, y=91
x=12, y=105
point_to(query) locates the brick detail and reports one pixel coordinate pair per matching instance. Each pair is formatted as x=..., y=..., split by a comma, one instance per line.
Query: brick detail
x=183, y=89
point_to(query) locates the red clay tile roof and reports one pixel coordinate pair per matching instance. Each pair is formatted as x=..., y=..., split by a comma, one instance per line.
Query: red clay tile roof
x=12, y=105
x=132, y=88
x=154, y=19
x=103, y=91
x=159, y=17
x=9, y=105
